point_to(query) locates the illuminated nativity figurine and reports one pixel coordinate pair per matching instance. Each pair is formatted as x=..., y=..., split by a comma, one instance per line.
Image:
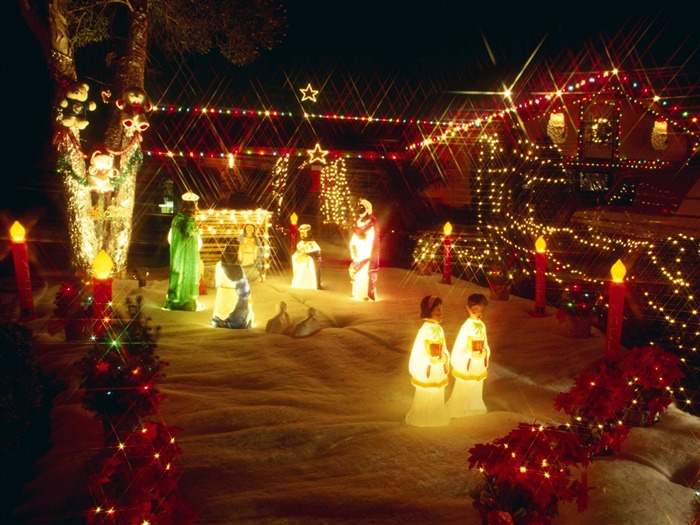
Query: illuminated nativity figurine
x=470, y=362
x=306, y=261
x=233, y=305
x=251, y=253
x=429, y=366
x=185, y=243
x=364, y=250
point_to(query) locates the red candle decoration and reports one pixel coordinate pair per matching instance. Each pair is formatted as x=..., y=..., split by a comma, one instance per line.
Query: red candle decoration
x=540, y=277
x=447, y=258
x=101, y=293
x=24, y=281
x=616, y=305
x=293, y=232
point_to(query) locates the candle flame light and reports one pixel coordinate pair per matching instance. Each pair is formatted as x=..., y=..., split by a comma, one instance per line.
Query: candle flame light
x=102, y=265
x=293, y=218
x=618, y=271
x=540, y=245
x=17, y=232
x=447, y=229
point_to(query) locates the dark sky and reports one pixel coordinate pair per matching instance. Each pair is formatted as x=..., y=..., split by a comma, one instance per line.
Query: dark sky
x=377, y=45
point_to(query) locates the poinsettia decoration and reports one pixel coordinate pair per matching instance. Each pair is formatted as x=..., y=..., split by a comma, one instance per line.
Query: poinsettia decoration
x=136, y=480
x=594, y=404
x=652, y=374
x=527, y=473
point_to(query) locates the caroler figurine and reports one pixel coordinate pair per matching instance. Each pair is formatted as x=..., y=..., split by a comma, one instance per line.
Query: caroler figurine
x=470, y=362
x=429, y=365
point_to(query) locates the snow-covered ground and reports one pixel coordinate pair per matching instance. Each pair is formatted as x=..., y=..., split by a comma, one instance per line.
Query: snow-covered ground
x=283, y=430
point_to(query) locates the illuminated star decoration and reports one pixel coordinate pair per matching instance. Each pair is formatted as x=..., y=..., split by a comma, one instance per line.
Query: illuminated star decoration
x=309, y=93
x=317, y=154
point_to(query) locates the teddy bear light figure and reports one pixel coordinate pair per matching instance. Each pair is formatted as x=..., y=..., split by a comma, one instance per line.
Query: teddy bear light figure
x=101, y=172
x=75, y=105
x=134, y=105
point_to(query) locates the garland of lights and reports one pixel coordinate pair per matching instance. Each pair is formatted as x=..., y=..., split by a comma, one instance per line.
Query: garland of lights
x=279, y=176
x=65, y=167
x=107, y=223
x=591, y=81
x=539, y=105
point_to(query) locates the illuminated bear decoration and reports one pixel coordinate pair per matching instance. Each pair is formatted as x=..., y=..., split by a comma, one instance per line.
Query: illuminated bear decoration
x=75, y=105
x=101, y=173
x=134, y=105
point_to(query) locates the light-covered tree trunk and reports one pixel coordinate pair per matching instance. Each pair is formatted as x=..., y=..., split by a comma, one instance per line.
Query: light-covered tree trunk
x=96, y=221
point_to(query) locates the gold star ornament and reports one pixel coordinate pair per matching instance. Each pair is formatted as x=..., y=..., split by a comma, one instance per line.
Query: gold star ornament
x=317, y=154
x=308, y=93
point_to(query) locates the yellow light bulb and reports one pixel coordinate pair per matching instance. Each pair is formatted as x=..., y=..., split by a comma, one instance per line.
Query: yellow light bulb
x=540, y=245
x=17, y=232
x=102, y=265
x=618, y=271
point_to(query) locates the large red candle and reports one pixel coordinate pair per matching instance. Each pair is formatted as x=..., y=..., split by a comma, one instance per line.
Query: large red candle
x=293, y=232
x=447, y=255
x=24, y=281
x=101, y=293
x=540, y=277
x=616, y=306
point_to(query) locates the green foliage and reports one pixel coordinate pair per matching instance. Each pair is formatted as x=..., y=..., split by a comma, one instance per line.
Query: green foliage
x=121, y=371
x=577, y=302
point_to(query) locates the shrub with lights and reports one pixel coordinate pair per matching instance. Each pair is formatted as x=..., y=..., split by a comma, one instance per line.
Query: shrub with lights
x=133, y=479
x=120, y=373
x=527, y=474
x=73, y=307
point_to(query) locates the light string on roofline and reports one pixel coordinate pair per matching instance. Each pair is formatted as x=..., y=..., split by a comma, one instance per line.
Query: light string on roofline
x=229, y=156
x=452, y=129
x=539, y=104
x=266, y=113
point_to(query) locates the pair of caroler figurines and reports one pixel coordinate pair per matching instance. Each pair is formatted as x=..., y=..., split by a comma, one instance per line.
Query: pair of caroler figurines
x=430, y=364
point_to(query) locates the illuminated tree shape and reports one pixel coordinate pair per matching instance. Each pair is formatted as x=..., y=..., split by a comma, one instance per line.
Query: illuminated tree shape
x=280, y=174
x=336, y=202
